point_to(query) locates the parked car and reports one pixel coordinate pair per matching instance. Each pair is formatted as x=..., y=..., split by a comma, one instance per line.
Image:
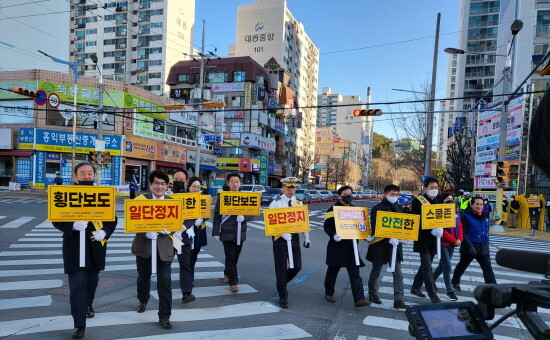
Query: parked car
x=326, y=195
x=355, y=195
x=270, y=194
x=335, y=194
x=303, y=195
x=370, y=194
x=267, y=187
x=315, y=196
x=253, y=188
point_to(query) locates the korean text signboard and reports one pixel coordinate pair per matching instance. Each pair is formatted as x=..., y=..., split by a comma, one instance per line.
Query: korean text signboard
x=191, y=205
x=143, y=215
x=438, y=216
x=206, y=206
x=290, y=220
x=240, y=203
x=397, y=225
x=81, y=203
x=352, y=222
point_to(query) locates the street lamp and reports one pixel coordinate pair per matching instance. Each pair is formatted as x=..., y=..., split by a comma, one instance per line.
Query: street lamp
x=452, y=50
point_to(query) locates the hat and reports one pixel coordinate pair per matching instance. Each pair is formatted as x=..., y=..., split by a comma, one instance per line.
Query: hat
x=290, y=181
x=467, y=193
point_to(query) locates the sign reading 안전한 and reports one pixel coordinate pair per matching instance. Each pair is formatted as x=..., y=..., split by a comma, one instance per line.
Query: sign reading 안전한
x=397, y=225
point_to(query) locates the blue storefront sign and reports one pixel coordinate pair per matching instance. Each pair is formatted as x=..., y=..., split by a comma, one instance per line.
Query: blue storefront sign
x=24, y=171
x=62, y=141
x=116, y=170
x=40, y=169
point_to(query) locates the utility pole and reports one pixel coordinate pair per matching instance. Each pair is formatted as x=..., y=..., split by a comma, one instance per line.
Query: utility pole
x=431, y=105
x=100, y=144
x=201, y=87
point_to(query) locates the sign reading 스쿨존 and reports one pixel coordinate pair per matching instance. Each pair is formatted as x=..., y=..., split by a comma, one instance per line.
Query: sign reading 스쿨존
x=438, y=216
x=206, y=206
x=290, y=220
x=397, y=225
x=72, y=203
x=144, y=215
x=191, y=204
x=240, y=203
x=352, y=222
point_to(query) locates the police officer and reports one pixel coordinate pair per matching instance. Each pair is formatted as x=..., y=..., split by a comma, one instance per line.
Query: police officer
x=280, y=244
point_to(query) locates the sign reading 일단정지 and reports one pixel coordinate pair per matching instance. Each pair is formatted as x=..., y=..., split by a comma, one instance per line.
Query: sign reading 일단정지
x=144, y=215
x=81, y=203
x=240, y=203
x=352, y=222
x=289, y=220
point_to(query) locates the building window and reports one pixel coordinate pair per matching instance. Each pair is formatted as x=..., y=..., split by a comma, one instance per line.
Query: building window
x=109, y=29
x=183, y=78
x=239, y=76
x=91, y=31
x=80, y=35
x=90, y=43
x=216, y=77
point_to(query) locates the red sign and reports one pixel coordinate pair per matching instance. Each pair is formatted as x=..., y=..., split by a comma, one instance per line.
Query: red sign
x=245, y=165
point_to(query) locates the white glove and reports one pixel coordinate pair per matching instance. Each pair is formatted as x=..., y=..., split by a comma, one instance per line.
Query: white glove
x=151, y=236
x=307, y=243
x=287, y=237
x=99, y=235
x=438, y=232
x=217, y=238
x=198, y=221
x=177, y=235
x=240, y=218
x=394, y=242
x=370, y=238
x=80, y=225
x=164, y=232
x=337, y=238
x=190, y=232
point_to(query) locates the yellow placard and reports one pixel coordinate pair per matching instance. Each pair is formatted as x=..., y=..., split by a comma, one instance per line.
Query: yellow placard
x=191, y=204
x=290, y=220
x=352, y=222
x=438, y=216
x=397, y=225
x=81, y=203
x=533, y=203
x=143, y=215
x=240, y=203
x=206, y=206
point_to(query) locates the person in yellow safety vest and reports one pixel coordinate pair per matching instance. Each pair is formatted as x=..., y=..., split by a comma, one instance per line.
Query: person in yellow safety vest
x=464, y=201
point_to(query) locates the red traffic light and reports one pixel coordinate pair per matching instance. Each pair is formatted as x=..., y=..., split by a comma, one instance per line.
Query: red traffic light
x=25, y=92
x=367, y=112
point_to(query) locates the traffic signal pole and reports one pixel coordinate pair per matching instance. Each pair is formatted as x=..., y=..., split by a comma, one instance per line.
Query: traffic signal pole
x=100, y=127
x=431, y=105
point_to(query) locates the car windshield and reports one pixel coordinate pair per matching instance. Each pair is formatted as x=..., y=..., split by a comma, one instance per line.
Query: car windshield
x=335, y=192
x=324, y=192
x=246, y=187
x=274, y=191
x=300, y=191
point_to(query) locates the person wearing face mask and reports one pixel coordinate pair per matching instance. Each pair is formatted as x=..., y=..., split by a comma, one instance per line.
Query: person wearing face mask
x=83, y=280
x=452, y=237
x=487, y=209
x=426, y=245
x=179, y=181
x=380, y=250
x=340, y=254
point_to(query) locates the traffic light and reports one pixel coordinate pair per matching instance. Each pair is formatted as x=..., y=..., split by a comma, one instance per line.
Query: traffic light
x=513, y=175
x=503, y=172
x=107, y=161
x=25, y=92
x=93, y=157
x=367, y=112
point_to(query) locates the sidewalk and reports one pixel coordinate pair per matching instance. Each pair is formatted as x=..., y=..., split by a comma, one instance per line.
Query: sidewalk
x=524, y=233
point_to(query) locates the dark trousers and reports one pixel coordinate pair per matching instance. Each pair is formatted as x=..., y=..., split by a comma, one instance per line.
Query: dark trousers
x=374, y=285
x=164, y=284
x=194, y=256
x=425, y=274
x=282, y=272
x=445, y=267
x=232, y=252
x=186, y=272
x=354, y=279
x=82, y=285
x=484, y=262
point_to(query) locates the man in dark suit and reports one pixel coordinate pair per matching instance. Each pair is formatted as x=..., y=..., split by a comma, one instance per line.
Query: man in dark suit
x=380, y=250
x=83, y=280
x=141, y=247
x=340, y=254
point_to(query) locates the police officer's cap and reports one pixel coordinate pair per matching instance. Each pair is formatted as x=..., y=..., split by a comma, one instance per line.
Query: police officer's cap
x=290, y=182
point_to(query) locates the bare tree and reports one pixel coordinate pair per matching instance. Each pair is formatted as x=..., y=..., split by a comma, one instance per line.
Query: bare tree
x=459, y=159
x=304, y=164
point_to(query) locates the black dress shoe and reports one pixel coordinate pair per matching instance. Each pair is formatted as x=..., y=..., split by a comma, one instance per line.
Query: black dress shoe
x=435, y=299
x=456, y=286
x=78, y=332
x=90, y=313
x=417, y=292
x=165, y=323
x=141, y=307
x=283, y=303
x=375, y=299
x=187, y=298
x=399, y=305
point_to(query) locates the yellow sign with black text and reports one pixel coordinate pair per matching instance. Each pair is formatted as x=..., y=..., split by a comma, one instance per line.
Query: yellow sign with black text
x=438, y=216
x=397, y=225
x=143, y=215
x=289, y=220
x=240, y=203
x=206, y=206
x=81, y=203
x=352, y=222
x=191, y=204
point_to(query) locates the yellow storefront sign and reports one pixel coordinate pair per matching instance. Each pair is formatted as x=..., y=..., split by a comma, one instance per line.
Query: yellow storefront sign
x=143, y=215
x=206, y=206
x=81, y=203
x=191, y=204
x=438, y=216
x=352, y=222
x=290, y=220
x=240, y=203
x=397, y=225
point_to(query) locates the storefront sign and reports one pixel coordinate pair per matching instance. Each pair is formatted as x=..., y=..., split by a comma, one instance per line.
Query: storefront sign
x=143, y=215
x=40, y=167
x=245, y=165
x=233, y=114
x=17, y=112
x=438, y=216
x=488, y=115
x=149, y=127
x=263, y=169
x=227, y=87
x=140, y=148
x=397, y=225
x=208, y=122
x=240, y=203
x=253, y=141
x=352, y=222
x=485, y=183
x=171, y=153
x=187, y=117
x=23, y=174
x=486, y=156
x=117, y=165
x=62, y=141
x=286, y=220
x=5, y=139
x=206, y=159
x=84, y=95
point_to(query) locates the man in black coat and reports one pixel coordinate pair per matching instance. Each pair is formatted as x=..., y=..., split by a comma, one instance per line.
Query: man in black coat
x=340, y=254
x=83, y=280
x=380, y=250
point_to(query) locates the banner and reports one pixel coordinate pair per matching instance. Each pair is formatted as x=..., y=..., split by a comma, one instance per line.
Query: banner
x=438, y=216
x=397, y=225
x=78, y=203
x=289, y=220
x=62, y=141
x=485, y=183
x=206, y=206
x=191, y=206
x=352, y=222
x=143, y=215
x=486, y=156
x=240, y=203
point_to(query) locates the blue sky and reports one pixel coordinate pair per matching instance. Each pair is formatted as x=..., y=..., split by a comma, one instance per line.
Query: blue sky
x=385, y=44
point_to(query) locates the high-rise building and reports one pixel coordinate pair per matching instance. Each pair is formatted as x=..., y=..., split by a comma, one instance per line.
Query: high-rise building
x=267, y=29
x=136, y=41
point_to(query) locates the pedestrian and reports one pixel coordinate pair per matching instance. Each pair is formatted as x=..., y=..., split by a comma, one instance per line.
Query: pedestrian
x=426, y=245
x=83, y=280
x=141, y=248
x=340, y=254
x=179, y=181
x=58, y=180
x=464, y=201
x=534, y=213
x=514, y=210
x=283, y=274
x=380, y=251
x=224, y=229
x=452, y=237
x=475, y=244
x=487, y=209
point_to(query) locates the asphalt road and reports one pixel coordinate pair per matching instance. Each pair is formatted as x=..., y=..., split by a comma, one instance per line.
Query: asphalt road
x=34, y=292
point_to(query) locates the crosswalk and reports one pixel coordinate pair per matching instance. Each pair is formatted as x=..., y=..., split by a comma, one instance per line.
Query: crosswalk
x=22, y=200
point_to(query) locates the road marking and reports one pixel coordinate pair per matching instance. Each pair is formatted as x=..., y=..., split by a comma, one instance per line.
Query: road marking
x=198, y=275
x=58, y=245
x=46, y=225
x=202, y=292
x=37, y=284
x=276, y=332
x=26, y=302
x=60, y=322
x=17, y=223
x=1, y=217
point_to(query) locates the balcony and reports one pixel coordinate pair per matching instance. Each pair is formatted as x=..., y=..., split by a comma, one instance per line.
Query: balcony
x=479, y=74
x=489, y=10
x=542, y=31
x=482, y=36
x=483, y=23
x=481, y=59
x=120, y=46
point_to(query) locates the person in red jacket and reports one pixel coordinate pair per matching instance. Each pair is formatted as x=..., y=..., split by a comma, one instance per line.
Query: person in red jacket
x=451, y=238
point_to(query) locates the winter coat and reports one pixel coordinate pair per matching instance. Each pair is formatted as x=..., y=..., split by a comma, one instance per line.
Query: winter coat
x=426, y=243
x=226, y=228
x=450, y=235
x=380, y=252
x=476, y=230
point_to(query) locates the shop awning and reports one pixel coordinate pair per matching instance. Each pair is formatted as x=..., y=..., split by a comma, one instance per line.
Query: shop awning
x=27, y=153
x=276, y=177
x=205, y=167
x=170, y=165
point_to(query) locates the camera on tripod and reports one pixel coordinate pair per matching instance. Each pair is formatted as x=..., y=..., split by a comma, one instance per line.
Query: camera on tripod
x=466, y=320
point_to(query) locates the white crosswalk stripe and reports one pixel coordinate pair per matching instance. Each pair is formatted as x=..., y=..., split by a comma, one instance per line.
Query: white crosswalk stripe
x=17, y=223
x=21, y=200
